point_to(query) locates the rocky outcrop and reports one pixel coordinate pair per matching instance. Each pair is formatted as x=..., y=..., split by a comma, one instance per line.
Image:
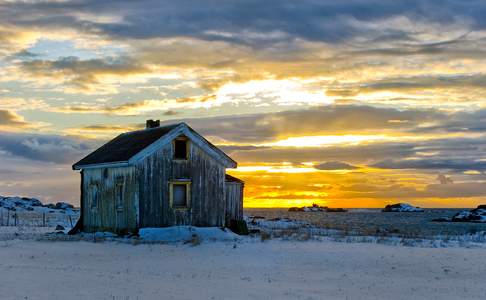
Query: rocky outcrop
x=316, y=208
x=402, y=207
x=31, y=204
x=477, y=215
x=63, y=205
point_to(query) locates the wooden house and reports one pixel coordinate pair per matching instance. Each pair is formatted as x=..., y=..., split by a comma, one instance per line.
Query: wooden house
x=157, y=177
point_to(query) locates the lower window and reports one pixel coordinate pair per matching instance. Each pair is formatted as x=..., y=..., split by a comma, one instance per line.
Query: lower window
x=119, y=196
x=180, y=194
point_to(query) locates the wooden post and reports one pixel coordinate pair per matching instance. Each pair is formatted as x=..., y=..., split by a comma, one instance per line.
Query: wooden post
x=43, y=219
x=15, y=219
x=8, y=218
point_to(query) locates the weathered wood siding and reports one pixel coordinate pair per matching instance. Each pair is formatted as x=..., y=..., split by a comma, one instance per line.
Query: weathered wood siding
x=106, y=216
x=234, y=201
x=207, y=199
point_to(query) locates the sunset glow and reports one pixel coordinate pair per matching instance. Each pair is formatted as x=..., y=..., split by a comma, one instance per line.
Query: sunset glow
x=323, y=102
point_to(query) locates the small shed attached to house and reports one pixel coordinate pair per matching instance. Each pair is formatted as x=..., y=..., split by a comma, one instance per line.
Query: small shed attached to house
x=156, y=177
x=234, y=198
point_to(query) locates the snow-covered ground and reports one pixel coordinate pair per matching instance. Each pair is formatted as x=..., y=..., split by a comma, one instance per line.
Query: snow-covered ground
x=282, y=259
x=242, y=270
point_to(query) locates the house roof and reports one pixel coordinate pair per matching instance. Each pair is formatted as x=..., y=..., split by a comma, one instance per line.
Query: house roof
x=127, y=145
x=230, y=178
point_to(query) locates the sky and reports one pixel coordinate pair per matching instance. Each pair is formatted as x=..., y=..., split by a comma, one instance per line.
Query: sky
x=340, y=103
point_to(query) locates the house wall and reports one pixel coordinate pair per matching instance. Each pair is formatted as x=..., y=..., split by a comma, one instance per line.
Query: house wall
x=106, y=216
x=234, y=201
x=207, y=201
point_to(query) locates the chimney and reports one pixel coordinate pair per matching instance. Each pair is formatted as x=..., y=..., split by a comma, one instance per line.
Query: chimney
x=152, y=123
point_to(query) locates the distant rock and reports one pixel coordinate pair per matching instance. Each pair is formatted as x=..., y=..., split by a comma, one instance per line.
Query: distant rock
x=316, y=208
x=63, y=205
x=442, y=219
x=32, y=201
x=402, y=207
x=477, y=215
x=32, y=204
x=336, y=209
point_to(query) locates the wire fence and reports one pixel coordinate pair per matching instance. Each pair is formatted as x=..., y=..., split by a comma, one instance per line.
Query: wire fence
x=37, y=219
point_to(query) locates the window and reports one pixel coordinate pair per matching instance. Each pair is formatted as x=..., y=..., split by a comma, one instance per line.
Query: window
x=180, y=194
x=94, y=196
x=119, y=196
x=180, y=148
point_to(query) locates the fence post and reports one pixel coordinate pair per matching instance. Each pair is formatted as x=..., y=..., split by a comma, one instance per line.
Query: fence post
x=15, y=219
x=8, y=218
x=43, y=219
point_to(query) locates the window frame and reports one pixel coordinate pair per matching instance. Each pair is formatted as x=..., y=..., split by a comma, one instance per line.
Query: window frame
x=119, y=195
x=94, y=193
x=185, y=182
x=186, y=140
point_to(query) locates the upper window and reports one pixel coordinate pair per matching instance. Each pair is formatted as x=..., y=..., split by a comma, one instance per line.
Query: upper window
x=180, y=148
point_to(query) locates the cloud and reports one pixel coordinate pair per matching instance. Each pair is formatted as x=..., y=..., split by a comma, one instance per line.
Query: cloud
x=243, y=42
x=18, y=104
x=101, y=132
x=335, y=165
x=443, y=179
x=44, y=148
x=333, y=119
x=82, y=75
x=249, y=21
x=432, y=164
x=9, y=118
x=165, y=106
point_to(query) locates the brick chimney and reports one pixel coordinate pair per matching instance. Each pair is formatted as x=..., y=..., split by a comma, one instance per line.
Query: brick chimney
x=152, y=123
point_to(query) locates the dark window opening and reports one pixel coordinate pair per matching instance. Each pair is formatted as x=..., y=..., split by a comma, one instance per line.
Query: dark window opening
x=119, y=196
x=180, y=149
x=94, y=196
x=179, y=195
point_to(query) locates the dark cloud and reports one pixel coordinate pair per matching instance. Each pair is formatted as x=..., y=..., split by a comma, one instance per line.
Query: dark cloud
x=45, y=148
x=230, y=20
x=415, y=83
x=81, y=73
x=335, y=165
x=459, y=122
x=432, y=163
x=353, y=154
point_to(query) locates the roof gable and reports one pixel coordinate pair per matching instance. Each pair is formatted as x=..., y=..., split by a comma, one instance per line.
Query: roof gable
x=131, y=147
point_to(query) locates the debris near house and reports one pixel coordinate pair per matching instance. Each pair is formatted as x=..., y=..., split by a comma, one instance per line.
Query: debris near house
x=477, y=215
x=402, y=207
x=258, y=222
x=316, y=208
x=239, y=227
